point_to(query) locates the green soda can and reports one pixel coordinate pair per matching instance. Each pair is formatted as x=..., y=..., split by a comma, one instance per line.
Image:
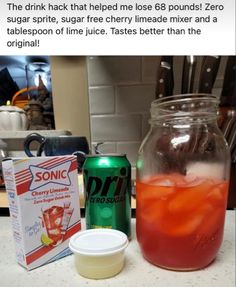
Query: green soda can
x=107, y=182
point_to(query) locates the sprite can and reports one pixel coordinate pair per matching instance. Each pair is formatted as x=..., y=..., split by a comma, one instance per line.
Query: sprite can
x=107, y=182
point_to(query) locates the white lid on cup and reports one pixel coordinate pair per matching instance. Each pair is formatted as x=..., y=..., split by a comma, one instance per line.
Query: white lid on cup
x=98, y=242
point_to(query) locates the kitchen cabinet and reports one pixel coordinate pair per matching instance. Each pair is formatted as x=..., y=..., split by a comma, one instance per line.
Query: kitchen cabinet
x=70, y=94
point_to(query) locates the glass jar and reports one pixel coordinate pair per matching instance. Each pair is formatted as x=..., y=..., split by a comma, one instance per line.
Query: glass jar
x=182, y=183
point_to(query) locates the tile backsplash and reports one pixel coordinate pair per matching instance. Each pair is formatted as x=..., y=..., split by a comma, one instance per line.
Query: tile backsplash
x=121, y=89
x=120, y=92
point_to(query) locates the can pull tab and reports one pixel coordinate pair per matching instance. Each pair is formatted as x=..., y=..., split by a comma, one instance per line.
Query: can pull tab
x=96, y=148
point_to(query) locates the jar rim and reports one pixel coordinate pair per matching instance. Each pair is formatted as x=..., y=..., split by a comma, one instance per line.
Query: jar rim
x=198, y=106
x=184, y=97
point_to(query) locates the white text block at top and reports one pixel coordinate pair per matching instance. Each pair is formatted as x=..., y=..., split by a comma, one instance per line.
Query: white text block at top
x=121, y=27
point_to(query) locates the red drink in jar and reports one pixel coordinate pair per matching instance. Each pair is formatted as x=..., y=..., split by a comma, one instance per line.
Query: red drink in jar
x=180, y=220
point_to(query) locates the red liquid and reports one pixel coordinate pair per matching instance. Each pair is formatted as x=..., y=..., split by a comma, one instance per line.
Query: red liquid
x=180, y=220
x=53, y=222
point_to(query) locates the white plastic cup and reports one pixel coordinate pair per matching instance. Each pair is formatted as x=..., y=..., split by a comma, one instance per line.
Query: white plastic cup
x=99, y=253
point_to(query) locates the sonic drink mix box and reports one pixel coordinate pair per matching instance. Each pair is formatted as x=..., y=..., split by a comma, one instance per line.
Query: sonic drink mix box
x=43, y=200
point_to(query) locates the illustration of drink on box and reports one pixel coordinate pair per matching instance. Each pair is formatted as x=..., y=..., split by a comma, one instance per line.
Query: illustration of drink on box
x=55, y=220
x=44, y=206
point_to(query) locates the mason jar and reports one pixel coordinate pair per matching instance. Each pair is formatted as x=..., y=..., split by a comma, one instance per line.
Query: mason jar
x=182, y=183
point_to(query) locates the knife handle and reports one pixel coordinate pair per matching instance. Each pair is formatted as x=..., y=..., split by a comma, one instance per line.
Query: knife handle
x=233, y=156
x=227, y=126
x=188, y=74
x=209, y=70
x=232, y=136
x=228, y=118
x=164, y=85
x=228, y=94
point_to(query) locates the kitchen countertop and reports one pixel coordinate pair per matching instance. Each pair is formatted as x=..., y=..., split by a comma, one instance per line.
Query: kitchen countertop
x=137, y=271
x=3, y=198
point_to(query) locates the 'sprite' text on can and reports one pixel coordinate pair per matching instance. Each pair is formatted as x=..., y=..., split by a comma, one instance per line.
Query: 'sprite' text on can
x=107, y=182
